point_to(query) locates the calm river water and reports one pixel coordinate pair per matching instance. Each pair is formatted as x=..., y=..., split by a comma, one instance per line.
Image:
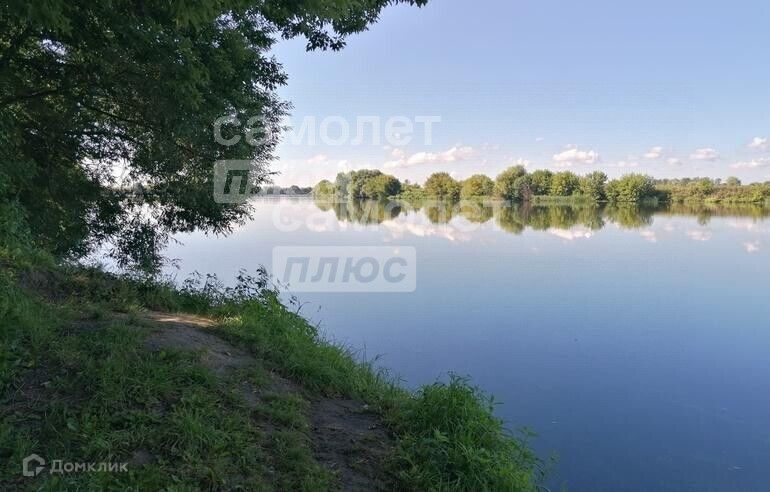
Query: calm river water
x=635, y=343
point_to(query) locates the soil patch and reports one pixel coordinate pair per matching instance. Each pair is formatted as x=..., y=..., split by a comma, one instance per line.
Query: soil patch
x=350, y=441
x=347, y=439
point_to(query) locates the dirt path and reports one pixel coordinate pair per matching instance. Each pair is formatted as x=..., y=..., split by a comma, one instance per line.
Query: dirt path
x=346, y=439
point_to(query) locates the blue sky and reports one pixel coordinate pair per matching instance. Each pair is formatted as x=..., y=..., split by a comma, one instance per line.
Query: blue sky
x=677, y=88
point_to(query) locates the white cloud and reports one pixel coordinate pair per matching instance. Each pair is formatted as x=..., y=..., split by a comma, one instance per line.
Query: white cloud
x=454, y=154
x=654, y=153
x=752, y=164
x=573, y=156
x=539, y=139
x=759, y=143
x=673, y=161
x=707, y=154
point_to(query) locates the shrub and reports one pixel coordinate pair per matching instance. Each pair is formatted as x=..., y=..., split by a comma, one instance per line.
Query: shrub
x=565, y=183
x=592, y=185
x=631, y=188
x=506, y=180
x=540, y=181
x=324, y=187
x=477, y=185
x=442, y=185
x=381, y=186
x=358, y=179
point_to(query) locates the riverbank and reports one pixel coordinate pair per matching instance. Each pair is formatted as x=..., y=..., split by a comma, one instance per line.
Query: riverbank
x=210, y=388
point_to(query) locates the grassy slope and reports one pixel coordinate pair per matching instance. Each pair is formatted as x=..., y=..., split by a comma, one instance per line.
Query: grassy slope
x=85, y=389
x=79, y=384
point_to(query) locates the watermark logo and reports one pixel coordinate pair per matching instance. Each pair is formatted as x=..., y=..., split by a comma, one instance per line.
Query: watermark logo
x=333, y=130
x=235, y=181
x=33, y=465
x=347, y=268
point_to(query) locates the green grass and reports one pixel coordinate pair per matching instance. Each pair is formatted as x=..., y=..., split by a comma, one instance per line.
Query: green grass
x=295, y=348
x=450, y=440
x=117, y=399
x=110, y=398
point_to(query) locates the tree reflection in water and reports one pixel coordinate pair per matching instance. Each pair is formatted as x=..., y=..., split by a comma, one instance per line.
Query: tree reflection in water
x=516, y=218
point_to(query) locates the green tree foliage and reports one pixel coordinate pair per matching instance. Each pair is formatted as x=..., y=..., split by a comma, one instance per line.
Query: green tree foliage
x=381, y=186
x=592, y=185
x=357, y=181
x=341, y=183
x=443, y=186
x=477, y=185
x=712, y=191
x=365, y=183
x=90, y=88
x=505, y=182
x=703, y=187
x=412, y=192
x=631, y=188
x=324, y=188
x=565, y=183
x=540, y=181
x=522, y=189
x=516, y=185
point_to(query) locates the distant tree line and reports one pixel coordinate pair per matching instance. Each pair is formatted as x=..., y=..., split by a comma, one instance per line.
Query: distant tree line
x=287, y=190
x=731, y=190
x=515, y=184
